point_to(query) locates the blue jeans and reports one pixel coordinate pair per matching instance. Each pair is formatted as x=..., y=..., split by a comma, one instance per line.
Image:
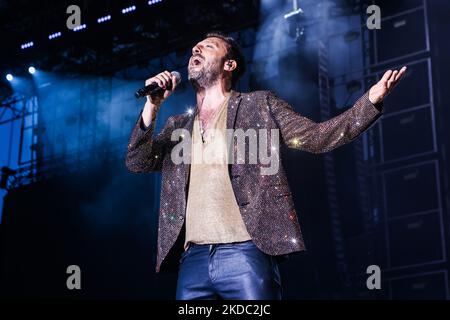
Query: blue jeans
x=228, y=271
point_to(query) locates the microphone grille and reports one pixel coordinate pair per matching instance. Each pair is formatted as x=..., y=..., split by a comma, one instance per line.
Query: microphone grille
x=177, y=76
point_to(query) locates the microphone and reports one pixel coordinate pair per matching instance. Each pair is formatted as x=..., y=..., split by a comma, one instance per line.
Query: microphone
x=153, y=87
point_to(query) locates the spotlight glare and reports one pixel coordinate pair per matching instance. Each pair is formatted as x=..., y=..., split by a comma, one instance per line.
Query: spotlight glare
x=32, y=70
x=9, y=77
x=151, y=2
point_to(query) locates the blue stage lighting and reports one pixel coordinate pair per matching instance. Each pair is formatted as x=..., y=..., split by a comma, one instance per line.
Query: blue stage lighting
x=129, y=9
x=27, y=45
x=32, y=70
x=80, y=27
x=54, y=35
x=9, y=77
x=153, y=2
x=103, y=19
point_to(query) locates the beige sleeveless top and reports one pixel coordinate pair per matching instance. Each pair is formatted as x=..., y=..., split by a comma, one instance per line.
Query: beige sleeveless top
x=212, y=214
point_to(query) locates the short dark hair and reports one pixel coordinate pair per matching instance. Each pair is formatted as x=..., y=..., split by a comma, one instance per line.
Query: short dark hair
x=234, y=52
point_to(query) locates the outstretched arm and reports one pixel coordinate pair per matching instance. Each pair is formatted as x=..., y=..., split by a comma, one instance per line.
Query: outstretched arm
x=304, y=134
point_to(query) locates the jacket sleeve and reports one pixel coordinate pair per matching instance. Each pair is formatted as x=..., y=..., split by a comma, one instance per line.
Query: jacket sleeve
x=301, y=133
x=145, y=153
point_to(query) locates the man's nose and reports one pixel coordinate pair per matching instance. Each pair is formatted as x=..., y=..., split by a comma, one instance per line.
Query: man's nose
x=196, y=49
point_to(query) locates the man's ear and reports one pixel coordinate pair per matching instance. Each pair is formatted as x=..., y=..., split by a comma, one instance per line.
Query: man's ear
x=230, y=65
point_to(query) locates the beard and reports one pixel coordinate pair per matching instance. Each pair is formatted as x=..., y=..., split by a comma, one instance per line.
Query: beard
x=206, y=76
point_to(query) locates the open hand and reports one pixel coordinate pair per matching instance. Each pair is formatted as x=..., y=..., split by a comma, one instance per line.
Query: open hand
x=389, y=80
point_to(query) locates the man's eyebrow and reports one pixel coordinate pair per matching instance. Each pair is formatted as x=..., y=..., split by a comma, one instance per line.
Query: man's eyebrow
x=214, y=42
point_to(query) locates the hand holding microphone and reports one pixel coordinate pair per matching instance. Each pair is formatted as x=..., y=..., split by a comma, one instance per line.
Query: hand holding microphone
x=159, y=83
x=157, y=89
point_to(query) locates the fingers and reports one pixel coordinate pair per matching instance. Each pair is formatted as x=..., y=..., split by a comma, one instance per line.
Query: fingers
x=390, y=82
x=383, y=87
x=174, y=83
x=150, y=81
x=386, y=76
x=163, y=79
x=160, y=81
x=391, y=78
x=167, y=74
x=398, y=77
x=400, y=74
x=167, y=78
x=157, y=79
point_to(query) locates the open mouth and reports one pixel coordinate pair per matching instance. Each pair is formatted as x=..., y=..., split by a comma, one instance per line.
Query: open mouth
x=196, y=61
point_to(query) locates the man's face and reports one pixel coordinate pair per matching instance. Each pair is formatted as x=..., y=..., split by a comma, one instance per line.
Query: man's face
x=207, y=60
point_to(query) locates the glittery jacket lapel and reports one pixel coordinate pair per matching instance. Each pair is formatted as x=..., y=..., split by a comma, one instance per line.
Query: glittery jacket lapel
x=265, y=201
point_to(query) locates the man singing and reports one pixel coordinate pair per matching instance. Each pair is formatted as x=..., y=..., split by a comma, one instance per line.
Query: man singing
x=237, y=220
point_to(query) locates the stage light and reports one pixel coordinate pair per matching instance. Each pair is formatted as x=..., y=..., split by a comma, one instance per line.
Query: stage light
x=80, y=27
x=9, y=77
x=103, y=19
x=153, y=2
x=54, y=35
x=27, y=45
x=129, y=9
x=296, y=21
x=32, y=70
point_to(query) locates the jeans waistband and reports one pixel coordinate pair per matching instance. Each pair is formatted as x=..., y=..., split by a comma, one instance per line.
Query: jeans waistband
x=212, y=245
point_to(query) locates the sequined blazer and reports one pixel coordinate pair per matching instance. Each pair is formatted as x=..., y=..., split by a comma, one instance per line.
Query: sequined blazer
x=265, y=201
